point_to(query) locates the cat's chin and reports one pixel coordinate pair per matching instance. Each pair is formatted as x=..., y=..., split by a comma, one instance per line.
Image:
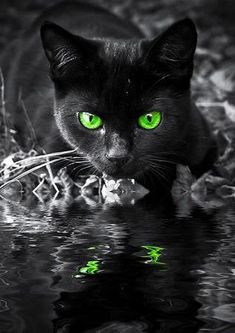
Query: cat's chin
x=121, y=174
x=130, y=172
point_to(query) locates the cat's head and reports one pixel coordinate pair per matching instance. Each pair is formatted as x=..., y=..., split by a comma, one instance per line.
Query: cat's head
x=124, y=104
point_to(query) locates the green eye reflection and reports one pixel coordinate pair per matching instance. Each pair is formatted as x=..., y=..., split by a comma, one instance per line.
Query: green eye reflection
x=89, y=120
x=150, y=120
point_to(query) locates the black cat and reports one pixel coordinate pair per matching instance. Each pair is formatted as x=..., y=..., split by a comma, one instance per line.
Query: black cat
x=121, y=100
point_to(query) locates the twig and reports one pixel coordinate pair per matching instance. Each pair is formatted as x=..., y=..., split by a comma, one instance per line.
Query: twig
x=30, y=125
x=48, y=167
x=3, y=107
x=56, y=154
x=29, y=161
x=28, y=172
x=39, y=185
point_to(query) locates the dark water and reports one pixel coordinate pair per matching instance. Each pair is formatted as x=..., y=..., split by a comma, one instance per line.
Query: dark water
x=43, y=246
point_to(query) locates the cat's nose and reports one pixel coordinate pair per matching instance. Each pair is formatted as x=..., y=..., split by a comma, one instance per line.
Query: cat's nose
x=118, y=159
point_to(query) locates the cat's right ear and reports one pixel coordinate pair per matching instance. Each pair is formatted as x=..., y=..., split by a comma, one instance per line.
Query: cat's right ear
x=66, y=51
x=174, y=49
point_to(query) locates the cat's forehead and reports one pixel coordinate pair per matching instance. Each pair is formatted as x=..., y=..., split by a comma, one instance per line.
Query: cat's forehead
x=127, y=51
x=120, y=87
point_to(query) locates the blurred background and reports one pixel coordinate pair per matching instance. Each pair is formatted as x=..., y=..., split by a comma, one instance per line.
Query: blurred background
x=214, y=17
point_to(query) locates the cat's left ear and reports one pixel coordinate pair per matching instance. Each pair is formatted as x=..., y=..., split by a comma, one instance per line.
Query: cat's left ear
x=173, y=49
x=66, y=51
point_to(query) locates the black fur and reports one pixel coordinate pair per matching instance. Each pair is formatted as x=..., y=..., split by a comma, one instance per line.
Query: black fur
x=103, y=65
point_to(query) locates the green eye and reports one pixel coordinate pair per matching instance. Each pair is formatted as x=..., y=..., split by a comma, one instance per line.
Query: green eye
x=89, y=120
x=150, y=120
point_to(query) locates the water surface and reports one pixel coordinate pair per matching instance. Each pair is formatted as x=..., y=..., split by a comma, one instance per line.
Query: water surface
x=44, y=245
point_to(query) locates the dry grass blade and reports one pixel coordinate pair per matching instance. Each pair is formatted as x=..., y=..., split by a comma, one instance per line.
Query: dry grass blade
x=48, y=167
x=32, y=133
x=3, y=119
x=29, y=172
x=41, y=158
x=29, y=161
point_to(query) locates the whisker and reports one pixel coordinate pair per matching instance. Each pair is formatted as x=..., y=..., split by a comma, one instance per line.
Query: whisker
x=70, y=164
x=160, y=174
x=162, y=161
x=74, y=170
x=86, y=167
x=155, y=158
x=78, y=165
x=97, y=172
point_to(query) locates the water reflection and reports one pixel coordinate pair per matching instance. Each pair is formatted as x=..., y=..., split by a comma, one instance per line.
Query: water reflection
x=44, y=244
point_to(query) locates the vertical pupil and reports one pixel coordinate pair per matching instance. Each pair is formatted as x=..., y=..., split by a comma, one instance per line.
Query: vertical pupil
x=90, y=118
x=149, y=117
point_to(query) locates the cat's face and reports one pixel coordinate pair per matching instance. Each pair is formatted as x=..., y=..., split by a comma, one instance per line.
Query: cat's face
x=124, y=104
